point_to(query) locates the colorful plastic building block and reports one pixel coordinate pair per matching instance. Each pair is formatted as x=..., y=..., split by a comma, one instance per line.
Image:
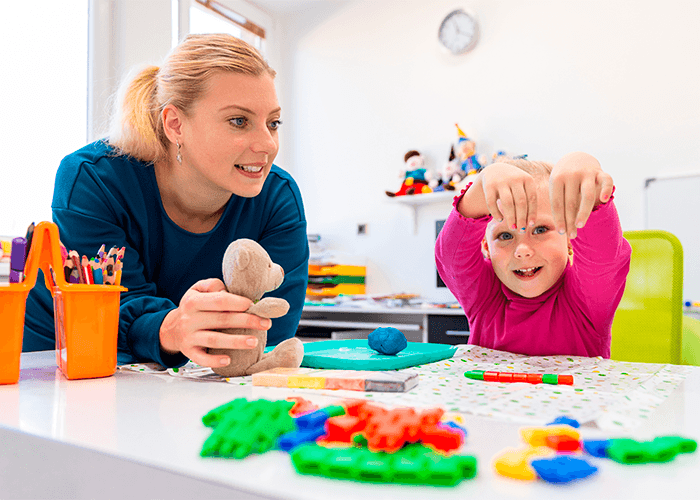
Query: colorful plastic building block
x=684, y=445
x=301, y=406
x=414, y=464
x=291, y=440
x=564, y=420
x=242, y=427
x=341, y=429
x=537, y=436
x=515, y=462
x=562, y=469
x=596, y=447
x=661, y=449
x=565, y=444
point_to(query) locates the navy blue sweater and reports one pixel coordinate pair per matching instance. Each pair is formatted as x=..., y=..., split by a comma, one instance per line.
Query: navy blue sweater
x=100, y=198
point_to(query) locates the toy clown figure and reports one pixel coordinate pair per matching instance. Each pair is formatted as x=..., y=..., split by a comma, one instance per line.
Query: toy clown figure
x=466, y=153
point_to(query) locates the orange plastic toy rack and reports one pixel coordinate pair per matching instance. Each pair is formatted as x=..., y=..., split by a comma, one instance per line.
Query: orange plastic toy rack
x=86, y=316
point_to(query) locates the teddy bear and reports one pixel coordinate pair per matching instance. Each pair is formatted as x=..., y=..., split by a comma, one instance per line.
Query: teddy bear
x=249, y=272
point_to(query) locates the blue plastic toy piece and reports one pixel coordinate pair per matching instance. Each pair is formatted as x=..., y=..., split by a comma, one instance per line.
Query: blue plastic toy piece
x=564, y=420
x=317, y=418
x=387, y=340
x=596, y=447
x=456, y=426
x=291, y=440
x=562, y=469
x=311, y=420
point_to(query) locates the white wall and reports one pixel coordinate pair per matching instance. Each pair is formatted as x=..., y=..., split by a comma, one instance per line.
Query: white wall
x=615, y=78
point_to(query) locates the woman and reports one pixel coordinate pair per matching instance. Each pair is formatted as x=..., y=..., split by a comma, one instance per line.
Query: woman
x=186, y=170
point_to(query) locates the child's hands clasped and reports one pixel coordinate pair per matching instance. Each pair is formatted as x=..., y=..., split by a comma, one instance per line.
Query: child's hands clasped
x=576, y=185
x=510, y=194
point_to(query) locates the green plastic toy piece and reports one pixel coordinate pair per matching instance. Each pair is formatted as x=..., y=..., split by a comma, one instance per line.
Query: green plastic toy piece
x=684, y=445
x=661, y=449
x=243, y=427
x=627, y=451
x=550, y=378
x=334, y=411
x=413, y=464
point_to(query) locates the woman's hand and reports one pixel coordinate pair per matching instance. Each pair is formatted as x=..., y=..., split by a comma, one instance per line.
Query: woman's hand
x=510, y=194
x=576, y=185
x=205, y=308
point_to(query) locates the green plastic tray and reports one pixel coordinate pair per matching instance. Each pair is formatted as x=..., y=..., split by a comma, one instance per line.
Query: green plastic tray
x=356, y=354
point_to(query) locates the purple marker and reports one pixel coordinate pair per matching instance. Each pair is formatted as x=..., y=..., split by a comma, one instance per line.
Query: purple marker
x=17, y=259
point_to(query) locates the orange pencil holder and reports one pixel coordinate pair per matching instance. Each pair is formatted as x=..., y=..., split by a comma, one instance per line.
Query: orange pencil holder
x=86, y=317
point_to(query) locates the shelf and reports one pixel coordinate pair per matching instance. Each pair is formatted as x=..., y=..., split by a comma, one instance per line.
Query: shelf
x=417, y=200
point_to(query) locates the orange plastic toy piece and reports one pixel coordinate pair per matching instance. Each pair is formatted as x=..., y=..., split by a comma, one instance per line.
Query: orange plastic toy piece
x=301, y=406
x=86, y=316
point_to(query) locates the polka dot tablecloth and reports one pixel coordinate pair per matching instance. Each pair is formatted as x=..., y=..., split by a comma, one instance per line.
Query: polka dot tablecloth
x=614, y=395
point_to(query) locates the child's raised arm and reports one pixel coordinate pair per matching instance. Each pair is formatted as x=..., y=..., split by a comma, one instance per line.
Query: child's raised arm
x=576, y=185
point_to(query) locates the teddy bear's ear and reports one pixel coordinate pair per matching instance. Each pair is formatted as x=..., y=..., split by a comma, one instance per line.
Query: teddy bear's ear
x=241, y=258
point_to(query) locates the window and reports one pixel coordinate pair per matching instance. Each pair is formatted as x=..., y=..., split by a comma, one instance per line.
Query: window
x=209, y=16
x=43, y=97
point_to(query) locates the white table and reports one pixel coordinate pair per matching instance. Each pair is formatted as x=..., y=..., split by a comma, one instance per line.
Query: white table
x=139, y=436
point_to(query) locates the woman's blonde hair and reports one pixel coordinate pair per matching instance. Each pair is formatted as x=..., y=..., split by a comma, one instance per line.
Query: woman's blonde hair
x=137, y=127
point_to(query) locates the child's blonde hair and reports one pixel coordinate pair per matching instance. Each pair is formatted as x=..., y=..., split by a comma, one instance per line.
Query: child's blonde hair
x=539, y=170
x=137, y=128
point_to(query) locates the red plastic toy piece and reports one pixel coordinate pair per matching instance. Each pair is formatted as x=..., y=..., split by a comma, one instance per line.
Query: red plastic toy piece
x=301, y=406
x=563, y=443
x=534, y=378
x=491, y=376
x=520, y=377
x=341, y=429
x=441, y=439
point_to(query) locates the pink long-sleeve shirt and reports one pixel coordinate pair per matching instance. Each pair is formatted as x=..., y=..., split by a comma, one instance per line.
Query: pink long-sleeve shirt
x=573, y=317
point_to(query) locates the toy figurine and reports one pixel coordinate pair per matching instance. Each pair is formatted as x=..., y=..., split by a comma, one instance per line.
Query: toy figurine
x=466, y=154
x=414, y=176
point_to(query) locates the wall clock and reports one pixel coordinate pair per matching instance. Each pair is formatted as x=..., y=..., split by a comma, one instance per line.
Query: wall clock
x=459, y=32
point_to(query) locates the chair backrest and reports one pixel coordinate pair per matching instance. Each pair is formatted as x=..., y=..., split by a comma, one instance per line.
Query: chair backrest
x=648, y=322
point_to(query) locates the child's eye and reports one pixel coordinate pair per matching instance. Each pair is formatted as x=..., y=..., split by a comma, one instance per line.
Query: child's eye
x=239, y=121
x=504, y=236
x=275, y=124
x=540, y=230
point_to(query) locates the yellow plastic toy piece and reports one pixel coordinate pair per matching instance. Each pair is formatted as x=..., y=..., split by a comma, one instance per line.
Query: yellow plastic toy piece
x=537, y=436
x=515, y=462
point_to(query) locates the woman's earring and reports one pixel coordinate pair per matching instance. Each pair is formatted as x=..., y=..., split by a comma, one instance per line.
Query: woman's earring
x=571, y=256
x=179, y=155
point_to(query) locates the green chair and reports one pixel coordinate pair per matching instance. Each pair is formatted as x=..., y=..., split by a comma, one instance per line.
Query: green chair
x=648, y=323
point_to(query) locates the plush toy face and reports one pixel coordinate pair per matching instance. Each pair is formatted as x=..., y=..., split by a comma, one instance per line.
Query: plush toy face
x=248, y=270
x=414, y=162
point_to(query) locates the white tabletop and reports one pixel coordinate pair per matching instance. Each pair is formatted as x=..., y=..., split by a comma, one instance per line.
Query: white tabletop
x=140, y=435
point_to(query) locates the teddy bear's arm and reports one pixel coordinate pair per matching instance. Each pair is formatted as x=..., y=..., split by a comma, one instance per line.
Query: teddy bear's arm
x=269, y=307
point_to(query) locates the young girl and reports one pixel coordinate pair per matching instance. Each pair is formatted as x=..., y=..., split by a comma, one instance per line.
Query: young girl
x=535, y=256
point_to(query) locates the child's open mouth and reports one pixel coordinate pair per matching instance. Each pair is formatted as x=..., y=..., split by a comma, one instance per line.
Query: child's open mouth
x=527, y=272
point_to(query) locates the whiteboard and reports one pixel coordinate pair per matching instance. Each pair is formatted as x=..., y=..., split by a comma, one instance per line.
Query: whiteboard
x=672, y=203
